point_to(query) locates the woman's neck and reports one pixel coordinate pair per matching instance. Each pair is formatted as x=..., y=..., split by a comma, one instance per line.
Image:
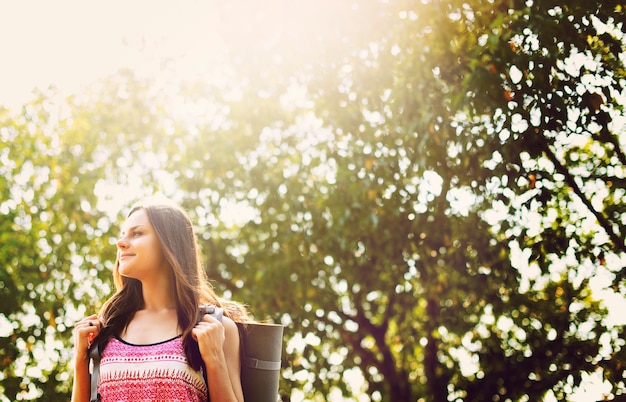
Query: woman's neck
x=158, y=294
x=150, y=326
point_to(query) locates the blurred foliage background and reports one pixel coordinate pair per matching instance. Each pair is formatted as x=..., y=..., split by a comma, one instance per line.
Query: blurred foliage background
x=429, y=195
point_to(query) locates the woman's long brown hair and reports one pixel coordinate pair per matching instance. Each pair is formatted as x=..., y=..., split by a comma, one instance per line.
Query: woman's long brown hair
x=192, y=288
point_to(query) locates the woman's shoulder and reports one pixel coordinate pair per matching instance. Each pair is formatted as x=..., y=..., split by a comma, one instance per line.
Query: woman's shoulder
x=230, y=326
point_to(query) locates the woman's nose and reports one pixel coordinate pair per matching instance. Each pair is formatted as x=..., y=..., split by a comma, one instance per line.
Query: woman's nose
x=122, y=243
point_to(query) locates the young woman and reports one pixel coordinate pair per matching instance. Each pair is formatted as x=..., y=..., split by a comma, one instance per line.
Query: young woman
x=152, y=347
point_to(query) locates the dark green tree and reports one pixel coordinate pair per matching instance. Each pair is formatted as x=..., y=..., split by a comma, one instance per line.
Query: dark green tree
x=439, y=210
x=52, y=245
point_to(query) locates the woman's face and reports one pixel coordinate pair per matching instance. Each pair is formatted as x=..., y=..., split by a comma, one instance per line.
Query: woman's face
x=139, y=253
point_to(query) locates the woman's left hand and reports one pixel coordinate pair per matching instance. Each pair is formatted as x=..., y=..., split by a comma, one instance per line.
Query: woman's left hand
x=209, y=333
x=219, y=348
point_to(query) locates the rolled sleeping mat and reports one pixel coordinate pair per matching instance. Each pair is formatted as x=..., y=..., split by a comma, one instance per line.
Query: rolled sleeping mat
x=261, y=360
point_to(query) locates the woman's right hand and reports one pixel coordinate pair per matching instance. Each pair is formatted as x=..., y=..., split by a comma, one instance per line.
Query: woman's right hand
x=85, y=331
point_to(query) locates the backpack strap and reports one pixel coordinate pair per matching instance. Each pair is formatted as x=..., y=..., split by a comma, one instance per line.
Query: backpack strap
x=95, y=373
x=211, y=310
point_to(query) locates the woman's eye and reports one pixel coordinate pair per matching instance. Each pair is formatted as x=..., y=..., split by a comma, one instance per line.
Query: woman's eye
x=136, y=234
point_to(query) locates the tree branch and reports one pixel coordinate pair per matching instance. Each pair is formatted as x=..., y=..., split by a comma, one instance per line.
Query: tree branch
x=618, y=242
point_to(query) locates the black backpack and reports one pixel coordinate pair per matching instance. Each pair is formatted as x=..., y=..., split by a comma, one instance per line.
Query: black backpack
x=261, y=348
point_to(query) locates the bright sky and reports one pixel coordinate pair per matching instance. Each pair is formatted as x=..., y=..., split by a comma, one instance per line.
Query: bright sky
x=70, y=43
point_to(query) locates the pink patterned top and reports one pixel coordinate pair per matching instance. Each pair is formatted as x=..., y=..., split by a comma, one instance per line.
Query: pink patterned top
x=158, y=372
